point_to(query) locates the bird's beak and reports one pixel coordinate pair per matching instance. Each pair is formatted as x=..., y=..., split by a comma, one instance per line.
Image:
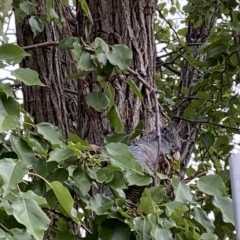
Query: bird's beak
x=176, y=155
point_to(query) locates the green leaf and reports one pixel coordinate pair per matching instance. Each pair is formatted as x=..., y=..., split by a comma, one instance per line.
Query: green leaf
x=120, y=56
x=181, y=190
x=212, y=185
x=234, y=47
x=31, y=195
x=158, y=232
x=146, y=205
x=60, y=154
x=36, y=24
x=116, y=137
x=196, y=63
x=83, y=58
x=204, y=95
x=185, y=90
x=19, y=234
x=188, y=8
x=212, y=61
x=27, y=76
x=189, y=112
x=65, y=199
x=162, y=234
x=97, y=100
x=100, y=204
x=9, y=113
x=50, y=133
x=113, y=229
x=68, y=42
x=76, y=139
x=100, y=46
x=86, y=10
x=143, y=228
x=102, y=60
x=136, y=179
x=12, y=54
x=169, y=101
x=5, y=88
x=12, y=172
x=43, y=168
x=19, y=15
x=82, y=180
x=200, y=216
x=118, y=181
x=102, y=175
x=111, y=94
x=26, y=7
x=27, y=118
x=59, y=175
x=49, y=6
x=137, y=130
x=216, y=49
x=158, y=194
x=120, y=156
x=21, y=148
x=225, y=204
x=115, y=119
x=174, y=206
x=36, y=143
x=28, y=213
x=165, y=223
x=135, y=89
x=208, y=139
x=209, y=236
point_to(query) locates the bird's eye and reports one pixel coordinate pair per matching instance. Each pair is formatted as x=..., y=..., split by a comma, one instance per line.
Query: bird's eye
x=173, y=146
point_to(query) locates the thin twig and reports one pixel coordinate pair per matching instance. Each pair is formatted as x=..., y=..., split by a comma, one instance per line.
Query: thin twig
x=199, y=133
x=137, y=75
x=65, y=217
x=207, y=122
x=17, y=85
x=40, y=45
x=169, y=67
x=195, y=175
x=158, y=131
x=8, y=79
x=70, y=91
x=170, y=25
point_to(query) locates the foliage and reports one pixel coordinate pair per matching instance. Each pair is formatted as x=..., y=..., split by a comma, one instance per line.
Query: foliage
x=46, y=180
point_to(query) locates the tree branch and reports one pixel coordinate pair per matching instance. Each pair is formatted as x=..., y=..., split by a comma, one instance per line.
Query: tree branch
x=158, y=128
x=70, y=91
x=195, y=175
x=40, y=45
x=166, y=65
x=137, y=75
x=207, y=122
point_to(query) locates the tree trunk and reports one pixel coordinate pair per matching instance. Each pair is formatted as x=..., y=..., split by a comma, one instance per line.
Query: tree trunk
x=121, y=22
x=49, y=103
x=195, y=37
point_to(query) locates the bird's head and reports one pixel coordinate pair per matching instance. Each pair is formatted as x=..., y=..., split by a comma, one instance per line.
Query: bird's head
x=171, y=142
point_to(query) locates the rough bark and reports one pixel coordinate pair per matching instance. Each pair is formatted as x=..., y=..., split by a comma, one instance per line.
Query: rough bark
x=121, y=22
x=50, y=103
x=195, y=38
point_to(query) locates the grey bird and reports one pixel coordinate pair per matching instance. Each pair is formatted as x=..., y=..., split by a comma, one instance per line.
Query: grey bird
x=145, y=150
